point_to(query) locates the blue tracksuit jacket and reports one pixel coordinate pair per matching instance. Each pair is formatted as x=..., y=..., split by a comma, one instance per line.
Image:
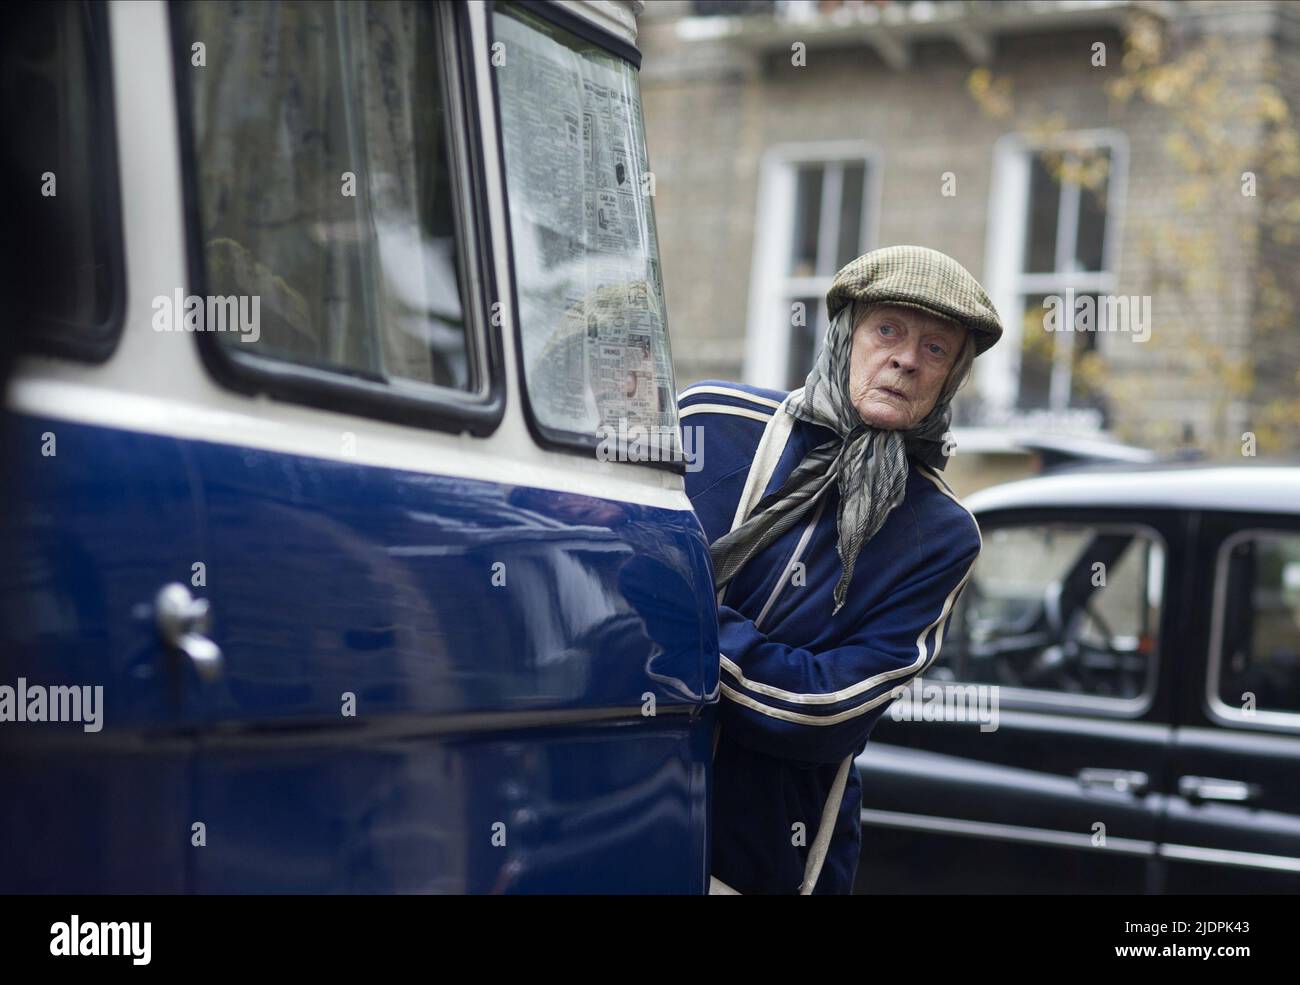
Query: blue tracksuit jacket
x=801, y=690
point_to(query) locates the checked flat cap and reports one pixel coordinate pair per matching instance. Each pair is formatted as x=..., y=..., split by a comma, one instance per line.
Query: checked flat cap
x=916, y=277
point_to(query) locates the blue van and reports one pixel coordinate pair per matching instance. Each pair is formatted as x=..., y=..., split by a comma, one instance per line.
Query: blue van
x=346, y=540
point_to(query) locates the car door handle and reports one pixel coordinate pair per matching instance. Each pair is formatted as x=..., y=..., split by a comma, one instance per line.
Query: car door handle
x=1121, y=781
x=182, y=621
x=1196, y=788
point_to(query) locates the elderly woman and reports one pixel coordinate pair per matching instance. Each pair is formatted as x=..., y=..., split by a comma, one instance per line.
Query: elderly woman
x=830, y=595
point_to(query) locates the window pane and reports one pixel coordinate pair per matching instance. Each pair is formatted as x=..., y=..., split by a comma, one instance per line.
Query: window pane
x=1093, y=190
x=1080, y=381
x=1086, y=367
x=1044, y=210
x=807, y=220
x=1061, y=608
x=54, y=94
x=587, y=262
x=850, y=244
x=1037, y=350
x=806, y=331
x=1260, y=648
x=325, y=186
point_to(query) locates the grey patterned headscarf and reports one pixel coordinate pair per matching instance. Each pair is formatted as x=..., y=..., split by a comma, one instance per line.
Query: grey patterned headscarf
x=868, y=463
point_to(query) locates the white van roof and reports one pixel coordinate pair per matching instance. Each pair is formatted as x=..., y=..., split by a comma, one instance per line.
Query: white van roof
x=618, y=17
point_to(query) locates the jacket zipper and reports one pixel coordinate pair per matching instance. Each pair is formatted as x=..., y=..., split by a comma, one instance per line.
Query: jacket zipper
x=799, y=548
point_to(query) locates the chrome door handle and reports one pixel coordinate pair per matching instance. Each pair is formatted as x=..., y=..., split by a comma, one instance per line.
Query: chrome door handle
x=1122, y=781
x=182, y=620
x=1208, y=788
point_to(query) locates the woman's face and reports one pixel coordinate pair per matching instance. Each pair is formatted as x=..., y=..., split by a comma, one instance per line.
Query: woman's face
x=898, y=363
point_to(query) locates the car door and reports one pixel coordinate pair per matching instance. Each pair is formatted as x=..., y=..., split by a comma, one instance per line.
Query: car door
x=461, y=652
x=1234, y=807
x=1030, y=756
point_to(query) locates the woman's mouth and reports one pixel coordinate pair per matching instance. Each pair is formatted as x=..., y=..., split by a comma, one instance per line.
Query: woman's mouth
x=896, y=394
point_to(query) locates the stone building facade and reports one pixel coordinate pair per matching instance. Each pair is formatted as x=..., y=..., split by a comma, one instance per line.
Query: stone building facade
x=1128, y=157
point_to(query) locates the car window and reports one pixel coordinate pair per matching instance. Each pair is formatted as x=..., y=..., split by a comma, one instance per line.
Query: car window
x=1257, y=619
x=326, y=186
x=60, y=158
x=1062, y=611
x=591, y=309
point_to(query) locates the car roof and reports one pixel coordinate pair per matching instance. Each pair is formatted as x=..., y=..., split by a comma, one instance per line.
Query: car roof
x=1062, y=447
x=1262, y=488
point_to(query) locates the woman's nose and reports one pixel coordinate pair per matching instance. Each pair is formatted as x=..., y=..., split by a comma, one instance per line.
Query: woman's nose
x=905, y=360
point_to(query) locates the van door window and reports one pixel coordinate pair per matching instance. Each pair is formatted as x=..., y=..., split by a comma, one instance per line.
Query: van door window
x=59, y=168
x=326, y=148
x=591, y=314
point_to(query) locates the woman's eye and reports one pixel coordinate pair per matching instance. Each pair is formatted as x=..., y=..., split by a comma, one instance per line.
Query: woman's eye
x=938, y=350
x=886, y=329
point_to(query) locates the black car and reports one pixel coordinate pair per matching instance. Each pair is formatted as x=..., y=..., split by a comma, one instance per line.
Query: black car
x=1116, y=703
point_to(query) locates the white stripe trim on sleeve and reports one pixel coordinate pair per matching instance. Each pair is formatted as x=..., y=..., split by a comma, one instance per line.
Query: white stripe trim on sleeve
x=728, y=392
x=723, y=409
x=798, y=717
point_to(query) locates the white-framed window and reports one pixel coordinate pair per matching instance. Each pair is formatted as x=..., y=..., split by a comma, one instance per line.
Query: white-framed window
x=818, y=209
x=1055, y=215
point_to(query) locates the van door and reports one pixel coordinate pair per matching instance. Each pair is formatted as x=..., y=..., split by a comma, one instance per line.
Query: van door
x=97, y=510
x=456, y=660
